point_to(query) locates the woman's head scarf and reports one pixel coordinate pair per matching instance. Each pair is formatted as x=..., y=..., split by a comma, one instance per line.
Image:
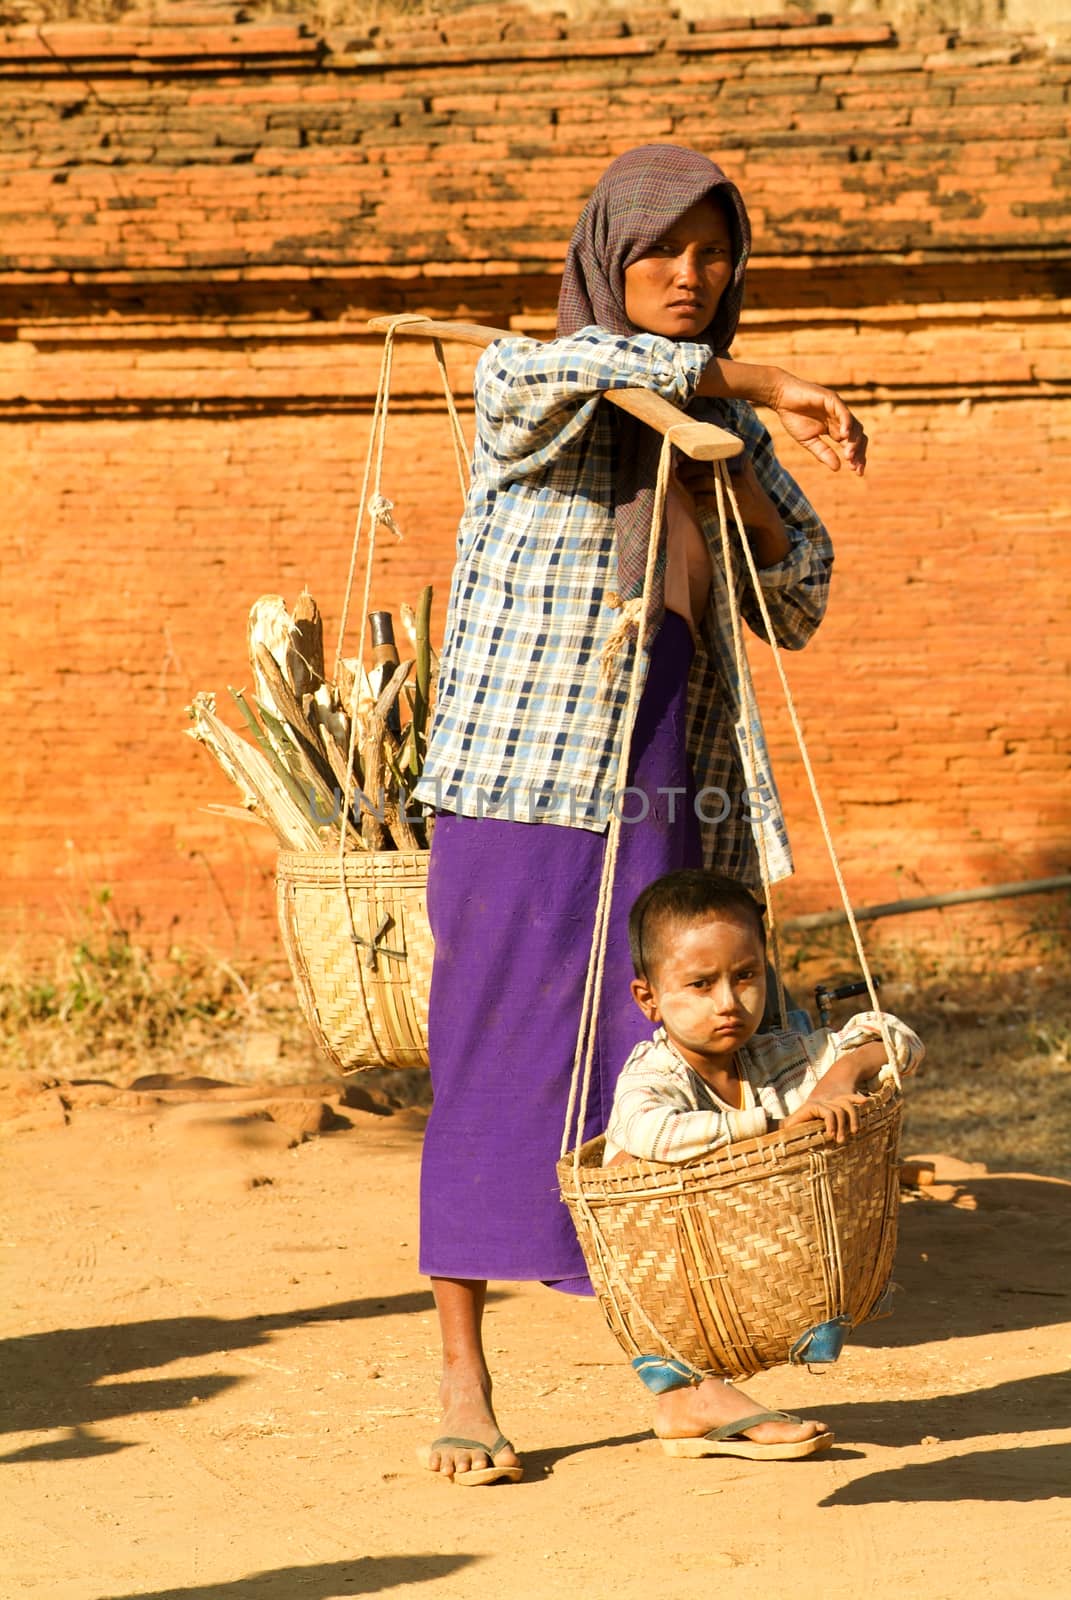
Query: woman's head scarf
x=640, y=197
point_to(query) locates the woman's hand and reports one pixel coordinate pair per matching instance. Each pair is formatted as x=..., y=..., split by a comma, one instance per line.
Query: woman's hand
x=813, y=416
x=837, y=1111
x=761, y=518
x=808, y=413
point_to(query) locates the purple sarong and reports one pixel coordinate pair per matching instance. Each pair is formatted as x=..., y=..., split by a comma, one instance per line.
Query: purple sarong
x=512, y=908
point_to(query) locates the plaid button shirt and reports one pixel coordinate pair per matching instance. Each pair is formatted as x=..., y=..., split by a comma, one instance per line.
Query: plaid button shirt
x=523, y=728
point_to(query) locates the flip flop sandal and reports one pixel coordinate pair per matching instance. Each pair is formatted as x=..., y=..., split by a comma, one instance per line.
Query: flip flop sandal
x=480, y=1475
x=727, y=1441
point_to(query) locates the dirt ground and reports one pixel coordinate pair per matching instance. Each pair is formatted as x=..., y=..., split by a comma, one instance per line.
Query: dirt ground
x=218, y=1361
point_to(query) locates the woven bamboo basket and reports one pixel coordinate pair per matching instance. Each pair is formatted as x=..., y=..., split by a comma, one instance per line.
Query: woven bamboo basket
x=734, y=1257
x=365, y=1001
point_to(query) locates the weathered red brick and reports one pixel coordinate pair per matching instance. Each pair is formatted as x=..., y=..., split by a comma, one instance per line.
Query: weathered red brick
x=214, y=389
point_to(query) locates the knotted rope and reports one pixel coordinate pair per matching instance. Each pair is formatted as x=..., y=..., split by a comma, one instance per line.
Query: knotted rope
x=380, y=514
x=725, y=491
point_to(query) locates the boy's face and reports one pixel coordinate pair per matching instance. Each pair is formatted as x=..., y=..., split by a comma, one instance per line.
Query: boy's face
x=707, y=988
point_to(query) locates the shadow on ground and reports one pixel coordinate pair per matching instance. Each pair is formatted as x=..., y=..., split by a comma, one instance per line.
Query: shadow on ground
x=332, y=1580
x=541, y=1463
x=33, y=1400
x=1003, y=1265
x=1041, y=1473
x=1023, y=1405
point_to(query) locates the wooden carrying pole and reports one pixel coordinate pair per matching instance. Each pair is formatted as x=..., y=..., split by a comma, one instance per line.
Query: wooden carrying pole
x=703, y=441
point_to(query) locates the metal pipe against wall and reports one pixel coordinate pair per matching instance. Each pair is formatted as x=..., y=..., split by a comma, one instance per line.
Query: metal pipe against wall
x=929, y=902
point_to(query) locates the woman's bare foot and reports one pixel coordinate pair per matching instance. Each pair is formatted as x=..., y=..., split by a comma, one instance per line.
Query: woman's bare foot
x=467, y=1414
x=466, y=1449
x=690, y=1413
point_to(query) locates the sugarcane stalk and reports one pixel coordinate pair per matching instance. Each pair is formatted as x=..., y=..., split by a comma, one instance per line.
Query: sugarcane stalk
x=314, y=788
x=386, y=750
x=202, y=714
x=346, y=684
x=268, y=627
x=315, y=793
x=255, y=777
x=374, y=733
x=301, y=741
x=406, y=837
x=303, y=735
x=400, y=827
x=346, y=787
x=421, y=699
x=392, y=689
x=326, y=710
x=409, y=623
x=271, y=746
x=305, y=653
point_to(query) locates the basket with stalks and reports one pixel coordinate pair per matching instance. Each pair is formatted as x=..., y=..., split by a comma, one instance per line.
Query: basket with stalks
x=330, y=767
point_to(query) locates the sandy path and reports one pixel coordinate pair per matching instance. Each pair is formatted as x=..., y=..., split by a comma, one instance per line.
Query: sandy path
x=218, y=1361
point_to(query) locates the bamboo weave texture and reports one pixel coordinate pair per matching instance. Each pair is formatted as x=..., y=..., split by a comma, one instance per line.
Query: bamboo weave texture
x=735, y=1255
x=366, y=1005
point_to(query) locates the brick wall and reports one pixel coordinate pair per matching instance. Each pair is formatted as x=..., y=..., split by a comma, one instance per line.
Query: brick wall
x=196, y=221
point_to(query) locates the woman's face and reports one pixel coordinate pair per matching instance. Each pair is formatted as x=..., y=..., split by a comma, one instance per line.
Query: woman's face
x=675, y=286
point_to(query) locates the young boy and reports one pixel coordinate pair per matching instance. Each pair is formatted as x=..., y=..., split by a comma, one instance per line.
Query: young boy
x=707, y=1077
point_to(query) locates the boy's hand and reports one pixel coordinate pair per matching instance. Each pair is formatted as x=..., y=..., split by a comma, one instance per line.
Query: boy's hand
x=837, y=1111
x=813, y=415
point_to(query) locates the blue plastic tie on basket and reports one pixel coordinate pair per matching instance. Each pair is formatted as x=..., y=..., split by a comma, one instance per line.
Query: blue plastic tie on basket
x=821, y=1344
x=662, y=1376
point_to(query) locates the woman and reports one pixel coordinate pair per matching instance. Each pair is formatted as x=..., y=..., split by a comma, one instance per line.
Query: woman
x=528, y=730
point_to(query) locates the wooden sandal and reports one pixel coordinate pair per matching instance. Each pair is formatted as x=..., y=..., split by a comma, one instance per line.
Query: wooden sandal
x=476, y=1476
x=729, y=1441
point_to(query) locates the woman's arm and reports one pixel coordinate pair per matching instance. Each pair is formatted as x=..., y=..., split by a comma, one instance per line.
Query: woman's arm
x=533, y=399
x=763, y=523
x=808, y=412
x=535, y=395
x=791, y=546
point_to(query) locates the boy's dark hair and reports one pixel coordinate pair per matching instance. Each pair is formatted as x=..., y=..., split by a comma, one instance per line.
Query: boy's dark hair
x=686, y=896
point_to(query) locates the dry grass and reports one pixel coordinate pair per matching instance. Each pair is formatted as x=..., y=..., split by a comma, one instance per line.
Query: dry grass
x=996, y=1085
x=109, y=1007
x=996, y=1021
x=108, y=1004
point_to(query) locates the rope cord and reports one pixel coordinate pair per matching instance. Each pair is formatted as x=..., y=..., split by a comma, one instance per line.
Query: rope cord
x=373, y=454
x=748, y=705
x=580, y=1081
x=344, y=618
x=380, y=510
x=457, y=433
x=801, y=745
x=585, y=1047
